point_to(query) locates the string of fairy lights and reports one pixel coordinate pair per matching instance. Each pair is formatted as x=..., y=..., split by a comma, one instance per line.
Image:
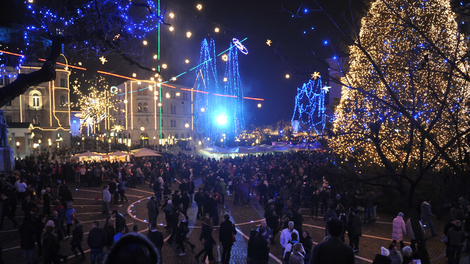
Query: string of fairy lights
x=369, y=122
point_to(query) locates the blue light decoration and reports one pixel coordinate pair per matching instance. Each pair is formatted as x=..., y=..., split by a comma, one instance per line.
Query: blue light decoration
x=233, y=102
x=309, y=110
x=206, y=84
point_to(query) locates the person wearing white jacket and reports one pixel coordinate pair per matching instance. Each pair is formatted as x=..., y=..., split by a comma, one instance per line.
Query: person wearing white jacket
x=399, y=229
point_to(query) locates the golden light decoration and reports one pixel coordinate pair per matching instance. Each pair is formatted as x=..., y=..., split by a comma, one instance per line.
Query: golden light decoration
x=153, y=69
x=186, y=125
x=80, y=63
x=186, y=61
x=167, y=95
x=188, y=34
x=172, y=15
x=216, y=30
x=125, y=101
x=151, y=87
x=199, y=7
x=287, y=76
x=268, y=42
x=178, y=94
x=171, y=28
x=173, y=78
x=259, y=105
x=225, y=57
x=152, y=79
x=156, y=93
x=102, y=59
x=225, y=79
x=155, y=56
x=142, y=128
x=203, y=109
x=164, y=66
x=159, y=104
x=156, y=98
x=145, y=42
x=134, y=75
x=139, y=82
x=315, y=75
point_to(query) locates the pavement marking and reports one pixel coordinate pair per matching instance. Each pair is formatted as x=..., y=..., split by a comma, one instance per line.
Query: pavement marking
x=102, y=193
x=141, y=191
x=376, y=237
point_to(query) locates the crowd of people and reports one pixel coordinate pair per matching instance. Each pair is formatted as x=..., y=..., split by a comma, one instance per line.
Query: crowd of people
x=282, y=183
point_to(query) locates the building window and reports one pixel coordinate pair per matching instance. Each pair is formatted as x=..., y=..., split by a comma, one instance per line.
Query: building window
x=173, y=109
x=173, y=94
x=188, y=136
x=145, y=107
x=186, y=110
x=8, y=118
x=185, y=96
x=176, y=136
x=8, y=103
x=62, y=100
x=1, y=80
x=63, y=82
x=7, y=80
x=139, y=107
x=173, y=123
x=35, y=100
x=36, y=120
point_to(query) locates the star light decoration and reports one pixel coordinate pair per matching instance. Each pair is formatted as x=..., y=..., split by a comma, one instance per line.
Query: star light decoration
x=269, y=42
x=369, y=127
x=315, y=75
x=103, y=60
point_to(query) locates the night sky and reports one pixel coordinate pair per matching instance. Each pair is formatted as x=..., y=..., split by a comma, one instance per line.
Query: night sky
x=263, y=70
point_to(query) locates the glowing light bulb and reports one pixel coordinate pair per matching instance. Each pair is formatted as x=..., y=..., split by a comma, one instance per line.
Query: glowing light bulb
x=186, y=125
x=178, y=94
x=188, y=34
x=225, y=79
x=160, y=104
x=186, y=61
x=173, y=79
x=125, y=101
x=287, y=76
x=152, y=79
x=153, y=69
x=172, y=15
x=216, y=30
x=224, y=57
x=134, y=75
x=203, y=109
x=167, y=95
x=156, y=98
x=156, y=93
x=171, y=28
x=199, y=7
x=155, y=56
x=150, y=87
x=80, y=63
x=259, y=105
x=145, y=42
x=139, y=82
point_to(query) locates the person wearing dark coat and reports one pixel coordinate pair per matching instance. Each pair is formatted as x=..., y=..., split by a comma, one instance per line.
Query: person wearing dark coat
x=96, y=241
x=185, y=202
x=156, y=237
x=333, y=251
x=198, y=198
x=46, y=209
x=50, y=244
x=354, y=229
x=456, y=237
x=27, y=232
x=6, y=210
x=132, y=248
x=383, y=257
x=226, y=231
x=152, y=210
x=77, y=238
x=120, y=222
x=261, y=251
x=39, y=222
x=251, y=247
x=110, y=231
x=207, y=240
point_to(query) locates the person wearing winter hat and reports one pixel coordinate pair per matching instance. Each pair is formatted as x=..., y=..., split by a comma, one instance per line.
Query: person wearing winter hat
x=409, y=255
x=399, y=229
x=383, y=257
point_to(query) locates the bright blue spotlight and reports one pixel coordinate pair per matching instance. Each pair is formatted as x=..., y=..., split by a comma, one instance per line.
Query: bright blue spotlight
x=334, y=57
x=305, y=32
x=325, y=42
x=305, y=10
x=221, y=120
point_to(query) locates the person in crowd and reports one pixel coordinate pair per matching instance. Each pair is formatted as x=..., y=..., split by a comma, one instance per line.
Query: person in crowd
x=261, y=250
x=77, y=238
x=368, y=206
x=29, y=207
x=39, y=223
x=427, y=215
x=307, y=243
x=110, y=231
x=120, y=222
x=227, y=232
x=182, y=230
x=96, y=241
x=132, y=248
x=354, y=229
x=198, y=198
x=332, y=251
x=106, y=200
x=251, y=247
x=399, y=229
x=383, y=257
x=297, y=255
x=409, y=255
x=286, y=235
x=27, y=242
x=70, y=214
x=6, y=211
x=268, y=233
x=152, y=210
x=330, y=213
x=456, y=237
x=47, y=198
x=288, y=250
x=156, y=237
x=411, y=233
x=122, y=189
x=395, y=254
x=207, y=240
x=50, y=244
x=112, y=190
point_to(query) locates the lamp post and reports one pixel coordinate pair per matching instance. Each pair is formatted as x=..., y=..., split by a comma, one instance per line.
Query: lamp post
x=39, y=143
x=18, y=149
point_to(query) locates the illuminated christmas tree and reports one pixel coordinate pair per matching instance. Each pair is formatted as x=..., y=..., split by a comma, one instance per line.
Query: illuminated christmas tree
x=403, y=105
